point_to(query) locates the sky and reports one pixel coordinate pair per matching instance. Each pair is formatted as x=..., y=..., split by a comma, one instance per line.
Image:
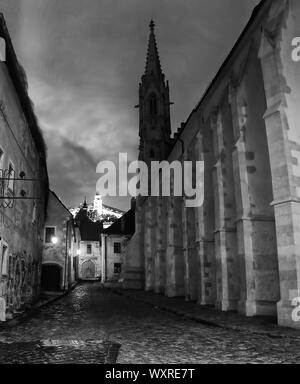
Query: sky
x=84, y=60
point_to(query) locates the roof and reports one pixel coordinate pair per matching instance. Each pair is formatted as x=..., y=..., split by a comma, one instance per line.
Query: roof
x=116, y=210
x=125, y=225
x=61, y=203
x=89, y=230
x=259, y=10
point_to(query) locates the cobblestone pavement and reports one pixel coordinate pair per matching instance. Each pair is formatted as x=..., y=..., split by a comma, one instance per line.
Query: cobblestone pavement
x=93, y=315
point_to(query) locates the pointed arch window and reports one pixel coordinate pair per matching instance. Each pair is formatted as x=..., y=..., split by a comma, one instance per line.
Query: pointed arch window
x=152, y=154
x=153, y=105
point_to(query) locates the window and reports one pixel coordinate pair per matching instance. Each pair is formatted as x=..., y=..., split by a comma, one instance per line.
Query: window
x=153, y=105
x=49, y=234
x=89, y=249
x=11, y=175
x=4, y=258
x=152, y=154
x=117, y=247
x=117, y=268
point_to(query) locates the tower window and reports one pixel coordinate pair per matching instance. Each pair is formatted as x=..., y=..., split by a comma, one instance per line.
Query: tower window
x=153, y=105
x=152, y=154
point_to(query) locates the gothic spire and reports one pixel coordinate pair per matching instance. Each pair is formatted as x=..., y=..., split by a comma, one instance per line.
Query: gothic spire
x=84, y=205
x=153, y=67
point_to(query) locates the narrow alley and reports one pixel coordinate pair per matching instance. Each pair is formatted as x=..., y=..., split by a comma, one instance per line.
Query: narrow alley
x=95, y=325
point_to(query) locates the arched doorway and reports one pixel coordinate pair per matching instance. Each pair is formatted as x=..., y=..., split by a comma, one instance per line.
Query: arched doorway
x=88, y=270
x=51, y=277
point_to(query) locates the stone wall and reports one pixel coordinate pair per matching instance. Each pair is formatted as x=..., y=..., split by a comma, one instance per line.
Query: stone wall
x=62, y=252
x=112, y=257
x=21, y=226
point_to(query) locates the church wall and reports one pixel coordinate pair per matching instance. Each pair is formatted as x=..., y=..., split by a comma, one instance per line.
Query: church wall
x=190, y=251
x=134, y=263
x=205, y=220
x=240, y=250
x=281, y=83
x=150, y=244
x=161, y=243
x=256, y=222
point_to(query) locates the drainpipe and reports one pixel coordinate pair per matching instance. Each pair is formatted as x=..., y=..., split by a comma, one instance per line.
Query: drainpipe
x=66, y=258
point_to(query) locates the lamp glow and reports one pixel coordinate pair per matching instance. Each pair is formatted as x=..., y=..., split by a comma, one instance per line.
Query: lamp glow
x=54, y=240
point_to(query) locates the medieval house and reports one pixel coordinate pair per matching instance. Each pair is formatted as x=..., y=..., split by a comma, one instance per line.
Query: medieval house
x=61, y=247
x=114, y=241
x=89, y=253
x=240, y=250
x=23, y=188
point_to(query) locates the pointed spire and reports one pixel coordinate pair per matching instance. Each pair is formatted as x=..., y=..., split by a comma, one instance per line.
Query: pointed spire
x=84, y=206
x=152, y=63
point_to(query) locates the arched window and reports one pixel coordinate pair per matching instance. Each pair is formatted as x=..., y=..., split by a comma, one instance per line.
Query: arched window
x=153, y=105
x=152, y=154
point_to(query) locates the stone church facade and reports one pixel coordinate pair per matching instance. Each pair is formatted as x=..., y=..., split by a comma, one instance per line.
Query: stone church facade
x=241, y=249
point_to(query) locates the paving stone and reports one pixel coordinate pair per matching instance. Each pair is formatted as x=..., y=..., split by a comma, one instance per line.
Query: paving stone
x=110, y=327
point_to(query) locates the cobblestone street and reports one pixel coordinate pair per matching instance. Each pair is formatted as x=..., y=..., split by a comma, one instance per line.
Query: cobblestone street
x=91, y=323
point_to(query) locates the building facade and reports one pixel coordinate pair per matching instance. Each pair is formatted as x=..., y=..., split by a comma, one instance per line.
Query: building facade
x=61, y=247
x=114, y=240
x=23, y=188
x=90, y=245
x=239, y=250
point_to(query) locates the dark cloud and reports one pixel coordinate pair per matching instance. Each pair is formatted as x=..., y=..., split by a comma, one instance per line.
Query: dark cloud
x=84, y=59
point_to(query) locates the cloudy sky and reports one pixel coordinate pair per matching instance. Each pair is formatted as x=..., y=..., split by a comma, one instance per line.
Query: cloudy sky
x=84, y=60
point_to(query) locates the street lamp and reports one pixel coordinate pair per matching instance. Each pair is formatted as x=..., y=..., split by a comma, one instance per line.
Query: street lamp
x=54, y=240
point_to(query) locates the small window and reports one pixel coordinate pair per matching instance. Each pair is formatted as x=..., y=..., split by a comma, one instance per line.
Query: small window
x=4, y=259
x=152, y=154
x=117, y=268
x=153, y=105
x=89, y=249
x=117, y=247
x=49, y=235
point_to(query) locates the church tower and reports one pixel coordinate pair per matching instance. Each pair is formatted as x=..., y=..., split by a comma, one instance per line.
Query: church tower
x=154, y=108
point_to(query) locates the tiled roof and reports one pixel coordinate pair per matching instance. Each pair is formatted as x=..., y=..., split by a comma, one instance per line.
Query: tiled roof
x=125, y=225
x=89, y=230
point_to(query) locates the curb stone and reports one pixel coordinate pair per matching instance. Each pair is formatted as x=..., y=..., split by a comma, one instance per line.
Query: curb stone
x=276, y=334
